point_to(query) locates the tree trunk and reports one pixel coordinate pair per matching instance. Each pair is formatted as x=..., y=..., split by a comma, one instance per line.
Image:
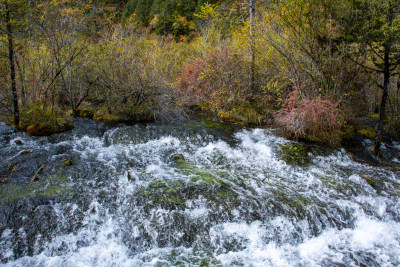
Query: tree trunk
x=12, y=65
x=252, y=47
x=21, y=80
x=385, y=92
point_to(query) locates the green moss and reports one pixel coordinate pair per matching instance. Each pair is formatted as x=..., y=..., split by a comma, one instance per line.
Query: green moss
x=174, y=194
x=125, y=113
x=177, y=157
x=369, y=181
x=49, y=127
x=247, y=115
x=67, y=162
x=296, y=202
x=10, y=121
x=296, y=154
x=347, y=132
x=198, y=258
x=366, y=131
x=336, y=184
x=138, y=114
x=86, y=113
x=166, y=194
x=374, y=116
x=242, y=115
x=46, y=186
x=196, y=174
x=39, y=122
x=387, y=119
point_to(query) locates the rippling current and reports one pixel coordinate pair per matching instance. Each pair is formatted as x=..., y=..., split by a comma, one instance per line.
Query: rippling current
x=192, y=194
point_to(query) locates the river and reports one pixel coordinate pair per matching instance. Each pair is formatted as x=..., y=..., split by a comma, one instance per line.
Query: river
x=199, y=193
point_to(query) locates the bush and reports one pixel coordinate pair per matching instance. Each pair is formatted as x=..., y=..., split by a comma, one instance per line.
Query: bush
x=219, y=81
x=37, y=121
x=314, y=119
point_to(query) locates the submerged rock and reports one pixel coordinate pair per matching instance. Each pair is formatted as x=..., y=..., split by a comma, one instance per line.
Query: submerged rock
x=18, y=142
x=177, y=157
x=294, y=153
x=67, y=162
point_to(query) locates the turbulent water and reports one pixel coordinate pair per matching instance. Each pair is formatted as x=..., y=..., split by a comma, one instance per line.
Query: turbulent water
x=192, y=194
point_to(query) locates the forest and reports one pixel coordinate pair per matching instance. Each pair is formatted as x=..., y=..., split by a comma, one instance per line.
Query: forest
x=199, y=133
x=308, y=67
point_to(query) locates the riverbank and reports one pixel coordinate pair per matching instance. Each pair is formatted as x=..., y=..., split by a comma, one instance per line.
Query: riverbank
x=356, y=136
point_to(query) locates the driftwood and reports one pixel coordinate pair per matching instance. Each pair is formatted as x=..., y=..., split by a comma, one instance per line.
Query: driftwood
x=36, y=176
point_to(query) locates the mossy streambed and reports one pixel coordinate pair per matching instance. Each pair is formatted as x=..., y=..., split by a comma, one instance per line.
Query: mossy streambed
x=51, y=185
x=200, y=193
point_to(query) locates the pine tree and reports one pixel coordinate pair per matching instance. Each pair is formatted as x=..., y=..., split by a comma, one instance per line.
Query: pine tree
x=374, y=25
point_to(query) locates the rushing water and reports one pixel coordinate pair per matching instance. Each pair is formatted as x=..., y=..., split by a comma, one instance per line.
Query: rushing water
x=194, y=194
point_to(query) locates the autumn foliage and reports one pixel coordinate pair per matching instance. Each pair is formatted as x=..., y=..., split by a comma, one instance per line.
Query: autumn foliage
x=311, y=118
x=218, y=80
x=78, y=55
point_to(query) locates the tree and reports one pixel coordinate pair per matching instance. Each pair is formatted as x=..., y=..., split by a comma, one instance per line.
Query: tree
x=374, y=27
x=12, y=13
x=302, y=33
x=252, y=45
x=63, y=32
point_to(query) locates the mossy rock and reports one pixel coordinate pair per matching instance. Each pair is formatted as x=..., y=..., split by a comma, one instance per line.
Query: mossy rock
x=248, y=115
x=25, y=152
x=374, y=116
x=85, y=113
x=22, y=125
x=368, y=132
x=197, y=174
x=224, y=116
x=369, y=181
x=10, y=121
x=64, y=125
x=67, y=162
x=347, y=132
x=178, y=157
x=40, y=129
x=195, y=258
x=174, y=195
x=18, y=142
x=48, y=128
x=200, y=182
x=104, y=117
x=387, y=118
x=136, y=114
x=295, y=154
x=47, y=186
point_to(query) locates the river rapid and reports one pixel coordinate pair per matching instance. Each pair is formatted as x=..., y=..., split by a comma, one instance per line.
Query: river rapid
x=199, y=193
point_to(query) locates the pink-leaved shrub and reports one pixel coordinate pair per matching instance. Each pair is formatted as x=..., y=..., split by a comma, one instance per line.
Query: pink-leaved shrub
x=311, y=118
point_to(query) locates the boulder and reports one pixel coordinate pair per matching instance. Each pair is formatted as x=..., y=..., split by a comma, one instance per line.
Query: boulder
x=47, y=128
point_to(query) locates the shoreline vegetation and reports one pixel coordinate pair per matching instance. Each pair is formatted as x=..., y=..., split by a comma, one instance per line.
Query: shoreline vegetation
x=311, y=68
